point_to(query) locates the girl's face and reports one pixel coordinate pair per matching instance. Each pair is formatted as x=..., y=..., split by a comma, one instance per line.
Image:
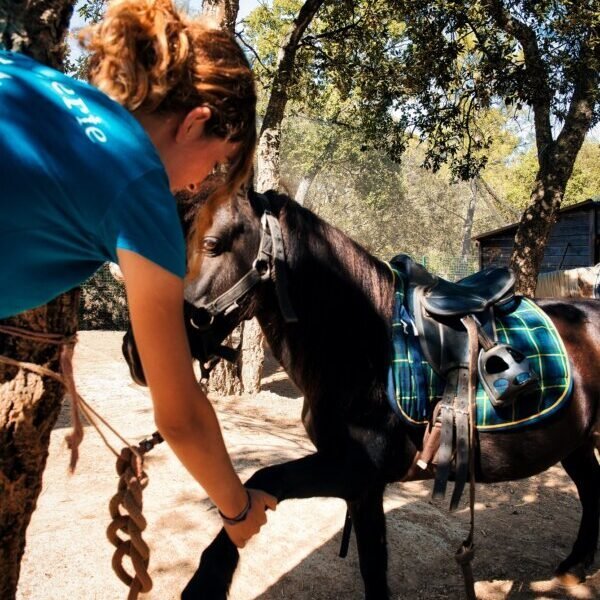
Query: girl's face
x=187, y=153
x=189, y=164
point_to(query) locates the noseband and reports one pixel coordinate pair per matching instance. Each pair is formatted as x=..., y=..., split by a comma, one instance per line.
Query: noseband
x=270, y=263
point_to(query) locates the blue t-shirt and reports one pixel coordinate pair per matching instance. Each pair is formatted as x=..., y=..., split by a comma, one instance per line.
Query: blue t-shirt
x=79, y=178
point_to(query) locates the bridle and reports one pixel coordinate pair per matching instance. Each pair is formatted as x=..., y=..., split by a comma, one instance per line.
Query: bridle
x=269, y=264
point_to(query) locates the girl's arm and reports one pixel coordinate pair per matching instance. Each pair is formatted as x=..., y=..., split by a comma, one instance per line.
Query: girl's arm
x=182, y=412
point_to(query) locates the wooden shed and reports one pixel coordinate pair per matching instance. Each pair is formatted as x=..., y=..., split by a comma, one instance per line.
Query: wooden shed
x=574, y=240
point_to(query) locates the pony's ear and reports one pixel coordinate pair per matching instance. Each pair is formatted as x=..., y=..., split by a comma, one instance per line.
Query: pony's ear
x=270, y=200
x=256, y=201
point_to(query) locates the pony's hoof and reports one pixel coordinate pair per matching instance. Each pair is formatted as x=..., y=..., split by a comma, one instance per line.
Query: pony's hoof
x=572, y=577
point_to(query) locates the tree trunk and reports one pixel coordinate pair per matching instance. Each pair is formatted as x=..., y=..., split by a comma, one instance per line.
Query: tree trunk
x=225, y=11
x=270, y=135
x=253, y=357
x=269, y=160
x=465, y=250
x=225, y=377
x=269, y=173
x=36, y=28
x=29, y=407
x=555, y=157
x=310, y=176
x=533, y=232
x=29, y=404
x=537, y=221
x=304, y=186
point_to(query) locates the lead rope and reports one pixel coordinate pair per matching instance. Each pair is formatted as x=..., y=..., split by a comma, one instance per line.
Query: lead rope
x=130, y=462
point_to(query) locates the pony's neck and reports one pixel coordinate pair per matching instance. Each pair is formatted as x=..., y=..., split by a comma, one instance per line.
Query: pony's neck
x=343, y=296
x=329, y=250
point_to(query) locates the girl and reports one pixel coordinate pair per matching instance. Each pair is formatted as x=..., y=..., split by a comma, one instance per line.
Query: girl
x=87, y=175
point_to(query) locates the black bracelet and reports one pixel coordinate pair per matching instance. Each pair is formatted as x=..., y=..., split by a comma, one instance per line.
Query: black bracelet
x=242, y=516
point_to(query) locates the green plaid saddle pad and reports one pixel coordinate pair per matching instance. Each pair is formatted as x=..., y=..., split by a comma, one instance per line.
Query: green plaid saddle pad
x=414, y=387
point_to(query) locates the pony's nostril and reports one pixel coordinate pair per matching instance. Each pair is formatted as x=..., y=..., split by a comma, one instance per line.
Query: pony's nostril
x=192, y=187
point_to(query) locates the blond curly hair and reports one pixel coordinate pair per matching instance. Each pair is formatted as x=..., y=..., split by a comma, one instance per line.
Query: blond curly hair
x=151, y=58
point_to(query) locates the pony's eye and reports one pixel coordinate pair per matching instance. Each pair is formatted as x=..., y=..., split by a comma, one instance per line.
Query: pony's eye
x=210, y=245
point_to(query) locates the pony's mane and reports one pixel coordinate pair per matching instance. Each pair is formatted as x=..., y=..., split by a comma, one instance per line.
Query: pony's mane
x=311, y=237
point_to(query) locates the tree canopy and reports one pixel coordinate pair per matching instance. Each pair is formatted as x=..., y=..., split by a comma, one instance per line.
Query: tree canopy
x=434, y=70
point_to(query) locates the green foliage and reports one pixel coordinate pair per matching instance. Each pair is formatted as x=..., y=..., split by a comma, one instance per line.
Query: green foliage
x=585, y=180
x=432, y=68
x=103, y=303
x=92, y=10
x=357, y=183
x=386, y=207
x=583, y=184
x=456, y=60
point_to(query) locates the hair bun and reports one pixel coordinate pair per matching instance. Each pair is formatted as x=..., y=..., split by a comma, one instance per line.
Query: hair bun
x=138, y=51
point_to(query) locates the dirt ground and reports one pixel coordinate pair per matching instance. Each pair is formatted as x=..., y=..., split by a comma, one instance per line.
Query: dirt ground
x=523, y=529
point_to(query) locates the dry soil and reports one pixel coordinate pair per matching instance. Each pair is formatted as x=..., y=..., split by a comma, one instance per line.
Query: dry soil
x=523, y=529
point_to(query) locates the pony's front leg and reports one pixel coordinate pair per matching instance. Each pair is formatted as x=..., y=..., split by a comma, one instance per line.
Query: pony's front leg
x=346, y=477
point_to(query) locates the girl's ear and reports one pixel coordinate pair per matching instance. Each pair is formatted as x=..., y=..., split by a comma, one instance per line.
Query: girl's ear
x=192, y=126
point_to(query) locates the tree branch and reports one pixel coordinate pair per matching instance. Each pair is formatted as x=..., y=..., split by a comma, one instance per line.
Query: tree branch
x=330, y=34
x=239, y=36
x=285, y=64
x=536, y=69
x=486, y=186
x=583, y=101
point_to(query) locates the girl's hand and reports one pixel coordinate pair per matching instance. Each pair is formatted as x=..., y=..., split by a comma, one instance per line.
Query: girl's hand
x=241, y=532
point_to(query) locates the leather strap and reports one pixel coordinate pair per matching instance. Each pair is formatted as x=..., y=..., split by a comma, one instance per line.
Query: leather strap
x=346, y=535
x=228, y=300
x=461, y=417
x=466, y=552
x=279, y=266
x=446, y=436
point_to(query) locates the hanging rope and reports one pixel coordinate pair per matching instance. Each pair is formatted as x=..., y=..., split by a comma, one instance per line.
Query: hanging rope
x=130, y=462
x=66, y=378
x=126, y=511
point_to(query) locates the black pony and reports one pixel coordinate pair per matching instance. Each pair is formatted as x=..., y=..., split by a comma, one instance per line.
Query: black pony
x=338, y=354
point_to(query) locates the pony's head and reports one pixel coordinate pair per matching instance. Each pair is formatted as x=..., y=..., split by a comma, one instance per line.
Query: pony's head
x=240, y=251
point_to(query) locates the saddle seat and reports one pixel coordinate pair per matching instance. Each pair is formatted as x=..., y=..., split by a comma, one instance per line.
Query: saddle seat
x=473, y=294
x=450, y=328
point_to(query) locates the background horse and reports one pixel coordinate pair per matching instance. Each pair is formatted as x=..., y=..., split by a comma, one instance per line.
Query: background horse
x=338, y=354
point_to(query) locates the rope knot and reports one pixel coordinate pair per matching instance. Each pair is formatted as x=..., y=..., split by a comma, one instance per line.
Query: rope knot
x=126, y=511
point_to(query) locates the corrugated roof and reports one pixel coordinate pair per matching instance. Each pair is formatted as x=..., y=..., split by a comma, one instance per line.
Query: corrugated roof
x=579, y=205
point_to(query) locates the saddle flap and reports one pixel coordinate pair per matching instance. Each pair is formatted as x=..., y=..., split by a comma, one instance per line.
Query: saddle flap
x=444, y=340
